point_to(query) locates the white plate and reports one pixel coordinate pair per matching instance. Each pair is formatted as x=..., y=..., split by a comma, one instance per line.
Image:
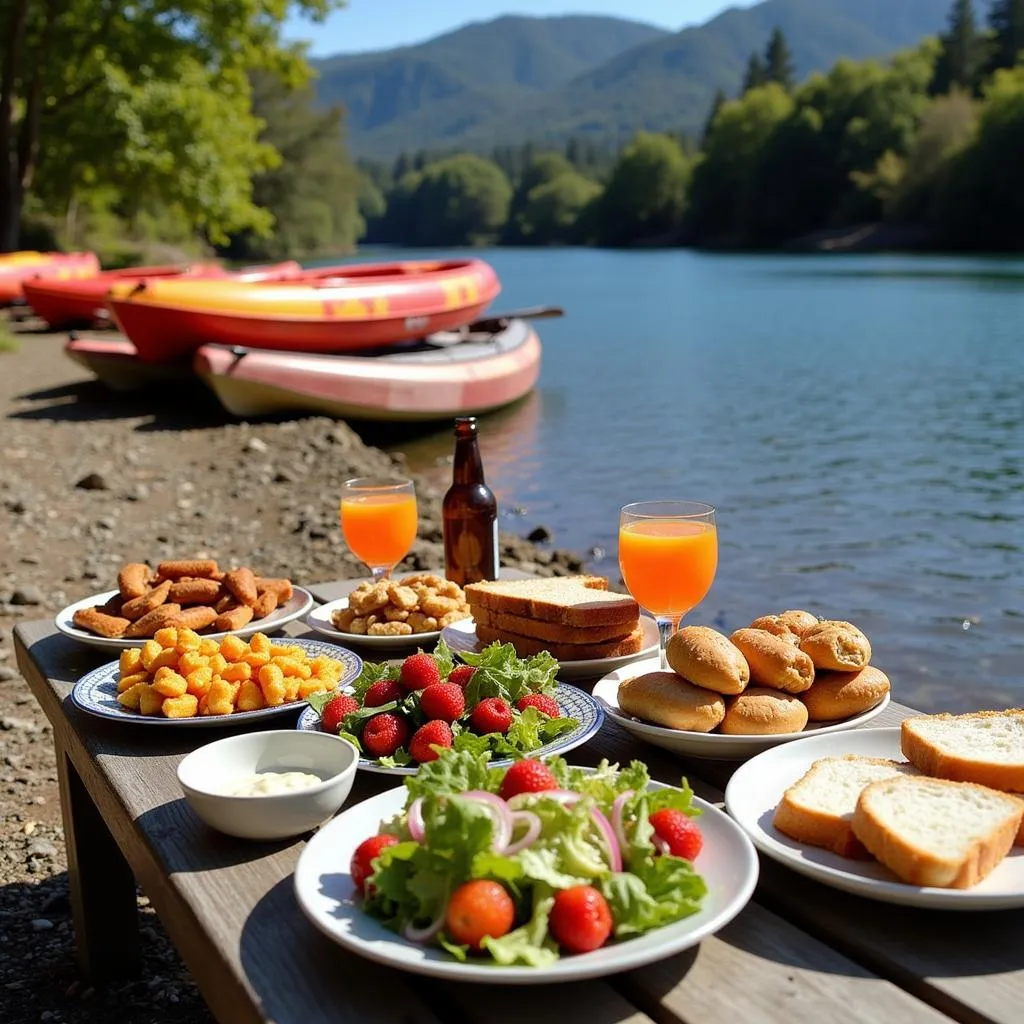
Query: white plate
x=320, y=620
x=461, y=637
x=757, y=787
x=294, y=608
x=713, y=745
x=323, y=887
x=96, y=692
x=573, y=702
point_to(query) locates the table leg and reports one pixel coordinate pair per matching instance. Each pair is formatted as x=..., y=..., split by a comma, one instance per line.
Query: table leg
x=102, y=886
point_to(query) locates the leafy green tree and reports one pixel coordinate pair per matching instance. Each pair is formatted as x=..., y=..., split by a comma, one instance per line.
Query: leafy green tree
x=157, y=91
x=756, y=74
x=646, y=193
x=544, y=168
x=709, y=122
x=779, y=61
x=553, y=208
x=1006, y=19
x=961, y=59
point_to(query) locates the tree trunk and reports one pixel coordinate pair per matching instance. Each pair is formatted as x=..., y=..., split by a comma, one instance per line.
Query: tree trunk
x=11, y=194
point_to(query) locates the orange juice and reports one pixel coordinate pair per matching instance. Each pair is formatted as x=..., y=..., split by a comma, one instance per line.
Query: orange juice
x=668, y=564
x=379, y=528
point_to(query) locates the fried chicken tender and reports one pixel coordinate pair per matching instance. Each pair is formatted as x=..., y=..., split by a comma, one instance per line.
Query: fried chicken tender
x=133, y=580
x=369, y=597
x=194, y=591
x=283, y=588
x=389, y=629
x=150, y=623
x=456, y=616
x=198, y=617
x=341, y=618
x=437, y=606
x=203, y=568
x=242, y=583
x=236, y=618
x=139, y=607
x=404, y=598
x=92, y=619
x=265, y=604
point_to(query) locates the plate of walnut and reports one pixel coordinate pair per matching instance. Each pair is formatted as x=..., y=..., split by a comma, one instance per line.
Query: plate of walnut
x=187, y=593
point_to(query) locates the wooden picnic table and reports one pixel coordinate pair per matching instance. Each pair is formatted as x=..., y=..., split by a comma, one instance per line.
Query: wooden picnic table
x=799, y=952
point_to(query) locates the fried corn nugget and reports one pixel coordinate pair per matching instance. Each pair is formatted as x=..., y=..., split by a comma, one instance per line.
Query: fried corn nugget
x=237, y=672
x=292, y=666
x=154, y=620
x=369, y=600
x=130, y=698
x=389, y=629
x=130, y=661
x=95, y=621
x=133, y=580
x=220, y=698
x=341, y=618
x=126, y=682
x=169, y=683
x=139, y=607
x=218, y=663
x=149, y=651
x=197, y=617
x=235, y=619
x=250, y=697
x=200, y=568
x=291, y=688
x=167, y=658
x=166, y=637
x=190, y=661
x=259, y=643
x=273, y=685
x=150, y=702
x=265, y=604
x=282, y=587
x=198, y=680
x=233, y=648
x=208, y=647
x=188, y=640
x=194, y=591
x=242, y=583
x=185, y=706
x=314, y=684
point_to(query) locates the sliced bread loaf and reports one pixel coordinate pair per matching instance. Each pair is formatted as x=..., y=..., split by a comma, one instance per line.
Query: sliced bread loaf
x=551, y=632
x=528, y=645
x=935, y=832
x=818, y=808
x=566, y=600
x=986, y=747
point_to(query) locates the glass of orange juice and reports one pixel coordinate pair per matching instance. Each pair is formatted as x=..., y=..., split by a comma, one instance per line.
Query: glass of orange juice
x=378, y=520
x=668, y=554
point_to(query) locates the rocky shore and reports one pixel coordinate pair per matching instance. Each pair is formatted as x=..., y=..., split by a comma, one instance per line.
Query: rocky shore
x=88, y=481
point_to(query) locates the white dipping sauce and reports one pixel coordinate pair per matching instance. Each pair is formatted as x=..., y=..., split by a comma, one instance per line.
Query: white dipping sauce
x=271, y=783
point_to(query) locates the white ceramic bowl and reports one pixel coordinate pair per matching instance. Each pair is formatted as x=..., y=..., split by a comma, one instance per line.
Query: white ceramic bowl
x=208, y=772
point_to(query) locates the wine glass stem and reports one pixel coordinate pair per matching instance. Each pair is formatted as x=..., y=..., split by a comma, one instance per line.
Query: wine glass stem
x=667, y=625
x=382, y=573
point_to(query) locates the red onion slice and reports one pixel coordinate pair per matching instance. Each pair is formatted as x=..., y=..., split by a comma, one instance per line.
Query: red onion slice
x=501, y=814
x=532, y=831
x=415, y=820
x=425, y=934
x=620, y=832
x=614, y=853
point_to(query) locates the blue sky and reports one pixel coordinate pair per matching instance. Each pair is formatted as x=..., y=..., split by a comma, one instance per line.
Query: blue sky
x=379, y=24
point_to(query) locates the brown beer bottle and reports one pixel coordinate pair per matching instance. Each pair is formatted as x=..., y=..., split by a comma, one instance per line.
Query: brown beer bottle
x=470, y=513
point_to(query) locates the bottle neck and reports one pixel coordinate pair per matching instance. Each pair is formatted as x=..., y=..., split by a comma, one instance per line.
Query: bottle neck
x=468, y=467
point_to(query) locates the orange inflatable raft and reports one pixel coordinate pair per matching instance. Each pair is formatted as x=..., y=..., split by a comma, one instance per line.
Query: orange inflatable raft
x=336, y=309
x=17, y=267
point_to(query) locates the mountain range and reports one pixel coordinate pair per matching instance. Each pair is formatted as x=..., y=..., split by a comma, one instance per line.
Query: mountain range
x=515, y=78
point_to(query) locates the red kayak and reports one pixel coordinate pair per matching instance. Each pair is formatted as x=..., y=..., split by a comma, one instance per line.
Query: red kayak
x=17, y=267
x=332, y=309
x=82, y=303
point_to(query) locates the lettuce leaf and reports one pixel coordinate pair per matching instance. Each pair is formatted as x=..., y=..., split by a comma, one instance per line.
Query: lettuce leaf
x=500, y=672
x=454, y=772
x=531, y=943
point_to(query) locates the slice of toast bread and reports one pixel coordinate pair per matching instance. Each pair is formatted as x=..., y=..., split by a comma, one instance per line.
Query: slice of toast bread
x=528, y=645
x=986, y=747
x=935, y=832
x=566, y=600
x=818, y=808
x=551, y=632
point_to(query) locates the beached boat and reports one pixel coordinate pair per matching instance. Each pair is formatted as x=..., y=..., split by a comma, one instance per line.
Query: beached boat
x=114, y=362
x=334, y=309
x=82, y=303
x=16, y=267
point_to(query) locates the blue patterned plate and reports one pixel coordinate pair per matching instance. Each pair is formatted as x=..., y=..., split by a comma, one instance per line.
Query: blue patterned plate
x=96, y=692
x=574, y=703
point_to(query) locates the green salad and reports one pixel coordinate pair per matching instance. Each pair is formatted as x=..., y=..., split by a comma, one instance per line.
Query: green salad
x=525, y=864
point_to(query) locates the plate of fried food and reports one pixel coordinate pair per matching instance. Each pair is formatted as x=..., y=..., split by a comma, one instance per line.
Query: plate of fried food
x=193, y=594
x=179, y=677
x=393, y=614
x=730, y=697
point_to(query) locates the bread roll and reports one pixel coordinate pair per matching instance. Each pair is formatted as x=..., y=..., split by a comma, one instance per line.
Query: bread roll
x=799, y=622
x=706, y=658
x=773, y=662
x=836, y=646
x=666, y=699
x=773, y=624
x=760, y=711
x=838, y=695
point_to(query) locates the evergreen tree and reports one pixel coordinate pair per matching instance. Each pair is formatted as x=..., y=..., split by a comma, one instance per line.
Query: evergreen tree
x=779, y=61
x=756, y=74
x=1006, y=19
x=961, y=57
x=716, y=105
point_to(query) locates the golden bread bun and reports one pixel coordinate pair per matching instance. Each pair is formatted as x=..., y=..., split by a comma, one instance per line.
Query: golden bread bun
x=774, y=662
x=706, y=658
x=836, y=646
x=666, y=699
x=799, y=622
x=773, y=624
x=760, y=711
x=838, y=695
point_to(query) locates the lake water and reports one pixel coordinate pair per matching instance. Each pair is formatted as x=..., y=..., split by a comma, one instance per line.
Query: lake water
x=858, y=421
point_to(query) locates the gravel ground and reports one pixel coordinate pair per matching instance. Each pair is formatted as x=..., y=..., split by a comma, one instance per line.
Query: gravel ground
x=88, y=481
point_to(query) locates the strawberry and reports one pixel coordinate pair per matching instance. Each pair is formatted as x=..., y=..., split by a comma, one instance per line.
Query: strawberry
x=580, y=919
x=384, y=691
x=384, y=734
x=335, y=710
x=461, y=674
x=442, y=700
x=542, y=702
x=419, y=671
x=367, y=851
x=433, y=734
x=492, y=714
x=527, y=776
x=679, y=831
x=476, y=910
